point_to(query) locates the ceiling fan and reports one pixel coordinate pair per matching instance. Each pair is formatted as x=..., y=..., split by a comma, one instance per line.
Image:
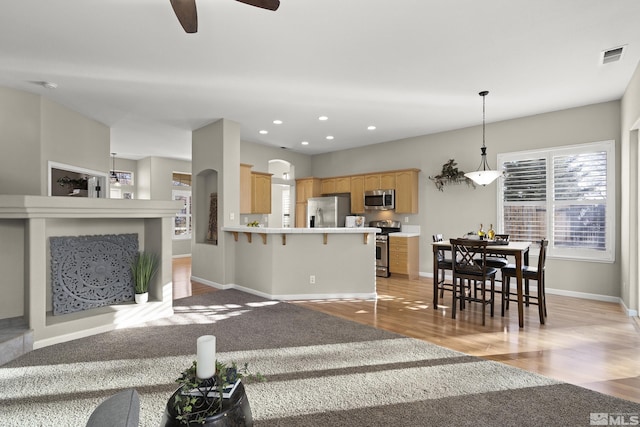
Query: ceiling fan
x=186, y=12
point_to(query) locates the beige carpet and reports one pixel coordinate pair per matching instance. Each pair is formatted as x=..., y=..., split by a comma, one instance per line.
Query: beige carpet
x=321, y=370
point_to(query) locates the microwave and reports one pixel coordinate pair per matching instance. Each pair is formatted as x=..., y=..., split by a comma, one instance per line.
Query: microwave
x=382, y=200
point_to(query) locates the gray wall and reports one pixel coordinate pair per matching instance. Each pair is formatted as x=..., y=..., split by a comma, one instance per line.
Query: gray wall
x=35, y=131
x=459, y=209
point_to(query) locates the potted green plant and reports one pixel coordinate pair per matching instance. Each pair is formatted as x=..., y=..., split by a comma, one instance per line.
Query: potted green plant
x=450, y=174
x=143, y=268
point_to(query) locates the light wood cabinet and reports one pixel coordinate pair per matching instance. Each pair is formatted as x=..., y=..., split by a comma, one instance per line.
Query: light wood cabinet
x=387, y=180
x=328, y=186
x=337, y=185
x=255, y=191
x=260, y=193
x=343, y=184
x=406, y=191
x=404, y=256
x=372, y=182
x=404, y=182
x=357, y=194
x=305, y=189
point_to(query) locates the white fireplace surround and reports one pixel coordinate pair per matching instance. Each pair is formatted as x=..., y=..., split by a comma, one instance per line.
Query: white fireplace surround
x=27, y=222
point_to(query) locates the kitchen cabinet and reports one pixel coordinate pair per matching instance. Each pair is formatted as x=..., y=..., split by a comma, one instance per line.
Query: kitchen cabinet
x=372, y=182
x=338, y=185
x=406, y=191
x=328, y=186
x=404, y=256
x=387, y=180
x=357, y=194
x=260, y=192
x=255, y=191
x=305, y=189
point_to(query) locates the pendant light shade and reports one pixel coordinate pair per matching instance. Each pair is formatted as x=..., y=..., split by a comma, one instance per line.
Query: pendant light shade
x=484, y=175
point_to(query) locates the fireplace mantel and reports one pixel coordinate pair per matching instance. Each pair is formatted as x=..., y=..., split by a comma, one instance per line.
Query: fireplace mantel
x=27, y=222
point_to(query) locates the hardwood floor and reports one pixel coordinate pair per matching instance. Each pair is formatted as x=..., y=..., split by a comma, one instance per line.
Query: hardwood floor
x=588, y=343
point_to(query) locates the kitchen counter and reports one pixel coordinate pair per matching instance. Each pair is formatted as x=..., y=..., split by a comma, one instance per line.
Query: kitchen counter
x=404, y=234
x=304, y=263
x=291, y=230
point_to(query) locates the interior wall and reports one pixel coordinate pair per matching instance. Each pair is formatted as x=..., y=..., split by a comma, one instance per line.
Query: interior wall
x=12, y=269
x=630, y=282
x=69, y=137
x=216, y=147
x=459, y=208
x=20, y=169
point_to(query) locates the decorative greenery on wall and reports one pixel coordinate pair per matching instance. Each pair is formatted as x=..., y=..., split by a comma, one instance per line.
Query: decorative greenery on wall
x=450, y=174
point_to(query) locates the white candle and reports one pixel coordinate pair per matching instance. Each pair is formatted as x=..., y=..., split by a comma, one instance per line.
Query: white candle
x=206, y=356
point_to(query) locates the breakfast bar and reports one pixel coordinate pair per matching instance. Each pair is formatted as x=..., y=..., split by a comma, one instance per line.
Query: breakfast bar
x=305, y=263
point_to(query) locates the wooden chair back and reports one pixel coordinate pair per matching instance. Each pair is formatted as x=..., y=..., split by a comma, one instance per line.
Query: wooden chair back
x=469, y=256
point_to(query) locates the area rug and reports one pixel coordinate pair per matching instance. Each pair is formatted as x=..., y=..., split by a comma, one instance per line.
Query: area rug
x=321, y=371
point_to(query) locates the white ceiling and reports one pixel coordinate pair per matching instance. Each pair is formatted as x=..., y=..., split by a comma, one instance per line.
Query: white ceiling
x=409, y=67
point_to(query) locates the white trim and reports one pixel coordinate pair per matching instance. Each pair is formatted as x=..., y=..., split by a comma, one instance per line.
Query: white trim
x=577, y=254
x=102, y=177
x=286, y=297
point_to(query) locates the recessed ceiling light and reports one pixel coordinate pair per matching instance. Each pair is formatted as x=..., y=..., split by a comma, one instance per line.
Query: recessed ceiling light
x=277, y=122
x=329, y=137
x=323, y=118
x=305, y=143
x=264, y=132
x=371, y=127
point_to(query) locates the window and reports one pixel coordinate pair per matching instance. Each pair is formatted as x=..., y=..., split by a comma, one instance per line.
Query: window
x=182, y=222
x=124, y=177
x=181, y=179
x=564, y=194
x=182, y=226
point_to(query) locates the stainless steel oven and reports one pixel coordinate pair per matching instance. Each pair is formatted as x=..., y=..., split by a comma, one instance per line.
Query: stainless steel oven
x=382, y=244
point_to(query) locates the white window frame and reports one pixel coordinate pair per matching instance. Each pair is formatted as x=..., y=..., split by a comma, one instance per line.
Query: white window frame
x=582, y=254
x=188, y=215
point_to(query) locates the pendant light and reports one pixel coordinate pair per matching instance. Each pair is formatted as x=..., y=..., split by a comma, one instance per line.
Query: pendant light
x=484, y=175
x=114, y=176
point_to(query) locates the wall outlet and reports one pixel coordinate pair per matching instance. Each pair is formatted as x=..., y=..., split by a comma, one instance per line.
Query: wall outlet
x=312, y=279
x=406, y=219
x=246, y=220
x=232, y=216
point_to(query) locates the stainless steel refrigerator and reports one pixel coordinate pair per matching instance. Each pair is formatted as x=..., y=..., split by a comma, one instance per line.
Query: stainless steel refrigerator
x=330, y=211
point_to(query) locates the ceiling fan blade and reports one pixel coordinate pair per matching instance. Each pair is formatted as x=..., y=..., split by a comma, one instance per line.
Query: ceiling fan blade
x=265, y=4
x=187, y=14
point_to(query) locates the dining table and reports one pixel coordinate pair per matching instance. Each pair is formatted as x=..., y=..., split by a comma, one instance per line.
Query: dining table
x=518, y=250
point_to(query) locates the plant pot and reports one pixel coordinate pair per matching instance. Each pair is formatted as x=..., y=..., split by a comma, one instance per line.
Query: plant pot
x=236, y=412
x=142, y=298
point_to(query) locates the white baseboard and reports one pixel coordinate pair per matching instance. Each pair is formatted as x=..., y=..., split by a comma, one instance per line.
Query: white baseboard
x=286, y=297
x=583, y=295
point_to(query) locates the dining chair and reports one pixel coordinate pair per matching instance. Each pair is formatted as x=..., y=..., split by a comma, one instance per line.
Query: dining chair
x=443, y=264
x=528, y=273
x=469, y=264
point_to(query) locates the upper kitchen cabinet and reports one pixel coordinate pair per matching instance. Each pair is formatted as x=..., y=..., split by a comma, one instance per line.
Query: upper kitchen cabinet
x=380, y=181
x=372, y=182
x=338, y=185
x=255, y=191
x=357, y=194
x=261, y=192
x=407, y=191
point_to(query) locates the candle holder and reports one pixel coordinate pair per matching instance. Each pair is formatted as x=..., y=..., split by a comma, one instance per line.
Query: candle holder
x=199, y=401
